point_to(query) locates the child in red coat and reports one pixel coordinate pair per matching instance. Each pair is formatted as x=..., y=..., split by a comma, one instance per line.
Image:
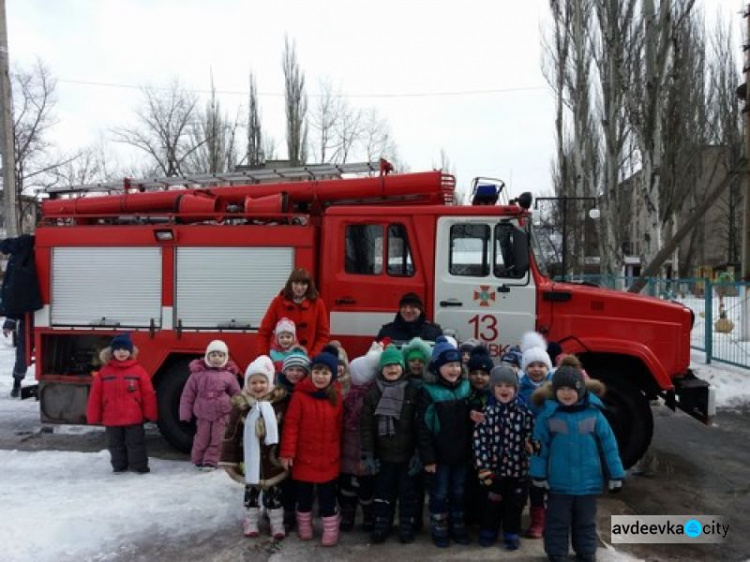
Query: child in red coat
x=121, y=398
x=311, y=446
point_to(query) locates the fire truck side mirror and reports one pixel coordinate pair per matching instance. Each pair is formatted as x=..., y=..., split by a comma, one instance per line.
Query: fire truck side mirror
x=520, y=251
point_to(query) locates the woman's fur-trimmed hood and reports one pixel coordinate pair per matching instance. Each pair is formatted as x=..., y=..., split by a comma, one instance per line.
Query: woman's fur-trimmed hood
x=545, y=392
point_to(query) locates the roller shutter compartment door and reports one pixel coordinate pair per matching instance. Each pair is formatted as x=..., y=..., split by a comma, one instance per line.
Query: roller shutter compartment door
x=228, y=287
x=106, y=287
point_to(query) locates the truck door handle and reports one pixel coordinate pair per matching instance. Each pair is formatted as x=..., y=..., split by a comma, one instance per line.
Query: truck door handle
x=345, y=300
x=503, y=289
x=451, y=303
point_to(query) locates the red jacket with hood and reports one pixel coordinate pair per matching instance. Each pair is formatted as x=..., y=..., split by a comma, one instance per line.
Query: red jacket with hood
x=122, y=394
x=310, y=319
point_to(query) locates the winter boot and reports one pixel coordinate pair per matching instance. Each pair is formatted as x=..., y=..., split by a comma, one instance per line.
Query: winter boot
x=276, y=518
x=330, y=530
x=439, y=529
x=304, y=526
x=250, y=524
x=348, y=511
x=458, y=528
x=406, y=530
x=487, y=537
x=511, y=541
x=382, y=528
x=290, y=520
x=536, y=529
x=368, y=516
x=16, y=391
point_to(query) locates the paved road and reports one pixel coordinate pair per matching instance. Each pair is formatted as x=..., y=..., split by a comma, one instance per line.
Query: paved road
x=695, y=470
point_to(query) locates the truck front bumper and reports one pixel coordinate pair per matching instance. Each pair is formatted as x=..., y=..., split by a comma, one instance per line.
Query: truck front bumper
x=693, y=396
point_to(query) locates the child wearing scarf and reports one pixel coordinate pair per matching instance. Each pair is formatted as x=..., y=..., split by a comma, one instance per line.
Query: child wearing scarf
x=249, y=451
x=387, y=425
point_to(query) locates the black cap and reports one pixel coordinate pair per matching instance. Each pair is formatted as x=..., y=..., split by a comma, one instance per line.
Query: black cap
x=412, y=299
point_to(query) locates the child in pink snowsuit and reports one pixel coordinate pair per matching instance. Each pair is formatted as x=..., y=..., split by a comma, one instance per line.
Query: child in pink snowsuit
x=207, y=396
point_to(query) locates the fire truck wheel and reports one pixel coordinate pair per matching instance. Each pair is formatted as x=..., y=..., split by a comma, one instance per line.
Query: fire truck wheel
x=169, y=390
x=629, y=413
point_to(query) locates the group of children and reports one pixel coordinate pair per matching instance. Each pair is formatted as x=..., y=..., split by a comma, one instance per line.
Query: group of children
x=395, y=425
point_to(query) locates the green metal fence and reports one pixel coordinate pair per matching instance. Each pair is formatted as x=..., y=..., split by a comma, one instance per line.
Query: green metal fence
x=722, y=324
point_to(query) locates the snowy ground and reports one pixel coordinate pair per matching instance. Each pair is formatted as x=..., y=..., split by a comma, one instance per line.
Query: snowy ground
x=68, y=506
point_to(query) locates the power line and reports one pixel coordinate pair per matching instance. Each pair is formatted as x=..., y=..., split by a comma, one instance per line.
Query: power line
x=281, y=95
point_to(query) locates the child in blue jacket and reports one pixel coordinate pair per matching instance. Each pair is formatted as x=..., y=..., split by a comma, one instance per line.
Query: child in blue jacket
x=574, y=452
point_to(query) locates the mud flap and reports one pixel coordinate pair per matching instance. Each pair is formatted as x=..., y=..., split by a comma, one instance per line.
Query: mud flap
x=693, y=396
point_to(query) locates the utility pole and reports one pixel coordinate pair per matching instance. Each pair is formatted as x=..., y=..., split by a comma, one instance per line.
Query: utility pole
x=7, y=144
x=745, y=260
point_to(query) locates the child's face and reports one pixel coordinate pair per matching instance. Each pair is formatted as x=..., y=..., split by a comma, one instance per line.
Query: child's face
x=392, y=372
x=285, y=339
x=479, y=379
x=258, y=385
x=416, y=367
x=451, y=371
x=340, y=370
x=465, y=356
x=536, y=371
x=121, y=354
x=216, y=358
x=321, y=376
x=295, y=374
x=504, y=392
x=566, y=396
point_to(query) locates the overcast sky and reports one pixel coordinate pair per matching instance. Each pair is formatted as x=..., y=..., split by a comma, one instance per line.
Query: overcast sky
x=464, y=77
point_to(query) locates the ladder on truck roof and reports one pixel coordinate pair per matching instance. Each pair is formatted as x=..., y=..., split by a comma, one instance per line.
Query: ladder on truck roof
x=243, y=177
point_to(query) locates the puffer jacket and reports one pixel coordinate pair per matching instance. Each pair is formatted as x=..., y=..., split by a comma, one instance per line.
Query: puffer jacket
x=443, y=424
x=121, y=394
x=575, y=448
x=351, y=448
x=208, y=391
x=312, y=434
x=232, y=446
x=397, y=448
x=310, y=319
x=401, y=331
x=527, y=387
x=500, y=441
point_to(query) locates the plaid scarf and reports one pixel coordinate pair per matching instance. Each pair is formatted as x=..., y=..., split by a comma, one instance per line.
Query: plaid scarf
x=389, y=406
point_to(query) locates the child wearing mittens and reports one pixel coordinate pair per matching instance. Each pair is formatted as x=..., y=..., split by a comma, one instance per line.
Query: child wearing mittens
x=249, y=452
x=207, y=395
x=311, y=446
x=575, y=451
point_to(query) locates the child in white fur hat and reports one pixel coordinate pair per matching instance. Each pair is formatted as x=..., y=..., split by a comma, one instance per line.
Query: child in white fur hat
x=207, y=394
x=250, y=446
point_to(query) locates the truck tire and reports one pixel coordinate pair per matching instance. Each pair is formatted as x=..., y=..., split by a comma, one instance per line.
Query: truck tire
x=169, y=390
x=629, y=413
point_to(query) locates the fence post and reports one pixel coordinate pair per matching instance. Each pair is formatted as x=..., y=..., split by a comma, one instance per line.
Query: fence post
x=708, y=318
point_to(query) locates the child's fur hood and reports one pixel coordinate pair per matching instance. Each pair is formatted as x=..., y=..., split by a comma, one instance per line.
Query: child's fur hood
x=105, y=355
x=246, y=402
x=545, y=392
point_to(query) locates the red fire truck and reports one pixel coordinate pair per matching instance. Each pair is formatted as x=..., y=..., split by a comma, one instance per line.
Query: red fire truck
x=180, y=262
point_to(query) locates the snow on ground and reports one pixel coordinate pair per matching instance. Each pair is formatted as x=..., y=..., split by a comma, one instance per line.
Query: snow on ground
x=60, y=506
x=732, y=383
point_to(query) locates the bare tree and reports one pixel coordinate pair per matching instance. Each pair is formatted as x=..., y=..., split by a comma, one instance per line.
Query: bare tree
x=348, y=133
x=255, y=154
x=377, y=140
x=325, y=119
x=295, y=104
x=163, y=131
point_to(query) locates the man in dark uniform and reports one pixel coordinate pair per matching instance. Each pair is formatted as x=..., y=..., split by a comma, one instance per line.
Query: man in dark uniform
x=410, y=322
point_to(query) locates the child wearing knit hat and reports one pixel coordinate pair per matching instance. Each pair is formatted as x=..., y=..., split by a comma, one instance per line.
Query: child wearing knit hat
x=356, y=485
x=311, y=446
x=207, y=396
x=572, y=426
x=444, y=438
x=501, y=459
x=284, y=342
x=250, y=442
x=387, y=427
x=417, y=355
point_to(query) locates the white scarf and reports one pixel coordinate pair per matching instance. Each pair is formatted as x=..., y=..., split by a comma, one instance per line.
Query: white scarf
x=250, y=439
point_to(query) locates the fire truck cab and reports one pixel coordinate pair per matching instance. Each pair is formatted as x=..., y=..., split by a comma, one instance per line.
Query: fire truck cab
x=179, y=267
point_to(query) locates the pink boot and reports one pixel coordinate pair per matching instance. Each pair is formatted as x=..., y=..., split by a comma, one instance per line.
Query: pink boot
x=536, y=529
x=276, y=517
x=330, y=530
x=250, y=524
x=304, y=526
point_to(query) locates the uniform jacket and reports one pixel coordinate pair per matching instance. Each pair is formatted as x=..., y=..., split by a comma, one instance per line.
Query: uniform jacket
x=351, y=449
x=312, y=434
x=500, y=441
x=310, y=318
x=121, y=394
x=232, y=448
x=575, y=448
x=400, y=330
x=208, y=391
x=443, y=424
x=20, y=290
x=398, y=448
